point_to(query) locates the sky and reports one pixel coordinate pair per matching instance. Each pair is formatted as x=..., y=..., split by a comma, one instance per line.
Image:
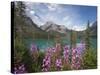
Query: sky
x=71, y=16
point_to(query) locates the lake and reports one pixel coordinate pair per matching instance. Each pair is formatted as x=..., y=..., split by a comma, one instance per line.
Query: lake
x=44, y=43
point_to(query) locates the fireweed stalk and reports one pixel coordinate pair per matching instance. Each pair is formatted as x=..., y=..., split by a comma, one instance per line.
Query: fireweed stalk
x=47, y=60
x=54, y=59
x=76, y=60
x=34, y=51
x=66, y=53
x=19, y=69
x=58, y=64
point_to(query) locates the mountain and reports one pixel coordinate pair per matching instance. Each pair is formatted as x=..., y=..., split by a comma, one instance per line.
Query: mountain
x=24, y=27
x=93, y=29
x=52, y=27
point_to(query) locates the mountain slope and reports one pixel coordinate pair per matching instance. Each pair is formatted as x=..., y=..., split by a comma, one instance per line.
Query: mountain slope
x=24, y=27
x=93, y=29
x=52, y=27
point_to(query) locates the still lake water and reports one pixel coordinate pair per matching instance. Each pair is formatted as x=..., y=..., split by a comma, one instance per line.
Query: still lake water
x=44, y=43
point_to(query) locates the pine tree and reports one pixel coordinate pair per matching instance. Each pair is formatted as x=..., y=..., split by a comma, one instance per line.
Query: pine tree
x=89, y=56
x=20, y=8
x=87, y=36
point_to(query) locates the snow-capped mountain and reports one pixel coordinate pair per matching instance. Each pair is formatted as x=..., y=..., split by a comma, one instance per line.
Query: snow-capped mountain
x=50, y=27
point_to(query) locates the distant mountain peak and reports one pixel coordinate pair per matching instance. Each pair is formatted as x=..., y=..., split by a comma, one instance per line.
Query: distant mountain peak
x=51, y=26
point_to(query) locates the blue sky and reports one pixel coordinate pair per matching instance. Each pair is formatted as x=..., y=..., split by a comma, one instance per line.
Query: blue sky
x=72, y=16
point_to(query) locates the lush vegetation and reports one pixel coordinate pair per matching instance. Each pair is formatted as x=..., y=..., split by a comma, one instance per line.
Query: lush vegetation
x=60, y=57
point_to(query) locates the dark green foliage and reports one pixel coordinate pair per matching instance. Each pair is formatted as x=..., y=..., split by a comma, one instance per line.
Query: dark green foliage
x=37, y=65
x=90, y=55
x=31, y=64
x=23, y=55
x=27, y=60
x=19, y=48
x=87, y=36
x=25, y=28
x=19, y=8
x=90, y=59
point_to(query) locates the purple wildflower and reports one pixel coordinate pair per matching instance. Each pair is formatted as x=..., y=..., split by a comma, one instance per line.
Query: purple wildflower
x=46, y=63
x=19, y=69
x=80, y=48
x=54, y=49
x=76, y=61
x=49, y=52
x=33, y=48
x=66, y=53
x=59, y=64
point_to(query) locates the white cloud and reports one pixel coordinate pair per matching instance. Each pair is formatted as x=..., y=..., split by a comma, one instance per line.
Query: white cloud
x=71, y=23
x=79, y=28
x=52, y=7
x=66, y=18
x=28, y=3
x=49, y=17
x=32, y=12
x=57, y=14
